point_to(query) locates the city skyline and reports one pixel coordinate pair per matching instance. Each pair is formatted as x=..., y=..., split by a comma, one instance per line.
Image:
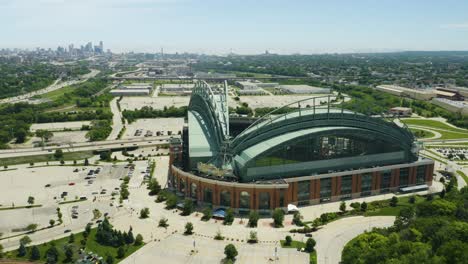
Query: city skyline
x=219, y=27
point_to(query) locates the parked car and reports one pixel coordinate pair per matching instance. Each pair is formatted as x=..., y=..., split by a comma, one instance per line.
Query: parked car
x=71, y=184
x=47, y=185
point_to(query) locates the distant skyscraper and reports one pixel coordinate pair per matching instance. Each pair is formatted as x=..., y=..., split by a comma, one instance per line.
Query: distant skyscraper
x=101, y=46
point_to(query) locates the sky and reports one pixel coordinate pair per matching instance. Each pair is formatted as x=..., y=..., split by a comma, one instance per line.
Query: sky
x=240, y=26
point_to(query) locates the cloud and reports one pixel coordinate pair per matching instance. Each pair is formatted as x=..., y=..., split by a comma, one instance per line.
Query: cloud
x=455, y=26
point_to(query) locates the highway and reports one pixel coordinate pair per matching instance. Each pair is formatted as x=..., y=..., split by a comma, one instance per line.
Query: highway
x=88, y=146
x=55, y=86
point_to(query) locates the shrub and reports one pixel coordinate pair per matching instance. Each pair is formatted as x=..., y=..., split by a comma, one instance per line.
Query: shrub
x=355, y=205
x=163, y=223
x=219, y=236
x=253, y=237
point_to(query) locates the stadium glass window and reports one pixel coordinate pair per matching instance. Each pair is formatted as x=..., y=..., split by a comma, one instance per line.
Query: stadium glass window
x=325, y=189
x=346, y=186
x=404, y=177
x=366, y=184
x=244, y=200
x=303, y=192
x=208, y=196
x=421, y=175
x=386, y=180
x=225, y=198
x=264, y=203
x=281, y=198
x=193, y=191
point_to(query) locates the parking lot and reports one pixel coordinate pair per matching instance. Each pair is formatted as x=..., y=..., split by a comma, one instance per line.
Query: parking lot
x=54, y=185
x=153, y=127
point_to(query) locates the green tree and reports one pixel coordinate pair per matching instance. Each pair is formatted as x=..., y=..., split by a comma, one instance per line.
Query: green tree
x=188, y=207
x=297, y=219
x=52, y=254
x=35, y=253
x=288, y=241
x=188, y=228
x=86, y=162
x=394, y=201
x=58, y=154
x=163, y=222
x=138, y=240
x=207, y=214
x=229, y=217
x=110, y=259
x=154, y=186
x=230, y=252
x=278, y=217
x=363, y=206
x=25, y=240
x=144, y=213
x=120, y=252
x=71, y=238
x=68, y=253
x=343, y=206
x=22, y=250
x=51, y=222
x=253, y=218
x=310, y=244
x=30, y=200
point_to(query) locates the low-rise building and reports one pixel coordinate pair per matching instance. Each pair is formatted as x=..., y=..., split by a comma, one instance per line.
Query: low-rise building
x=452, y=106
x=420, y=94
x=304, y=89
x=177, y=88
x=401, y=111
x=130, y=92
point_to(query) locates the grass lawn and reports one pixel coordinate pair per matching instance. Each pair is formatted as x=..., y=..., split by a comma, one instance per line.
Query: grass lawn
x=21, y=207
x=394, y=211
x=463, y=175
x=445, y=130
x=432, y=124
x=426, y=134
x=299, y=244
x=91, y=245
x=67, y=156
x=53, y=95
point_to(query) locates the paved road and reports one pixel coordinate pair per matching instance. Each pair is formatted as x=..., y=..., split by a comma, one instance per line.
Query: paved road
x=55, y=86
x=88, y=146
x=333, y=237
x=116, y=119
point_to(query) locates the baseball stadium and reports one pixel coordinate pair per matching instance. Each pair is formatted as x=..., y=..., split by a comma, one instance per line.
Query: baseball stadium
x=309, y=152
